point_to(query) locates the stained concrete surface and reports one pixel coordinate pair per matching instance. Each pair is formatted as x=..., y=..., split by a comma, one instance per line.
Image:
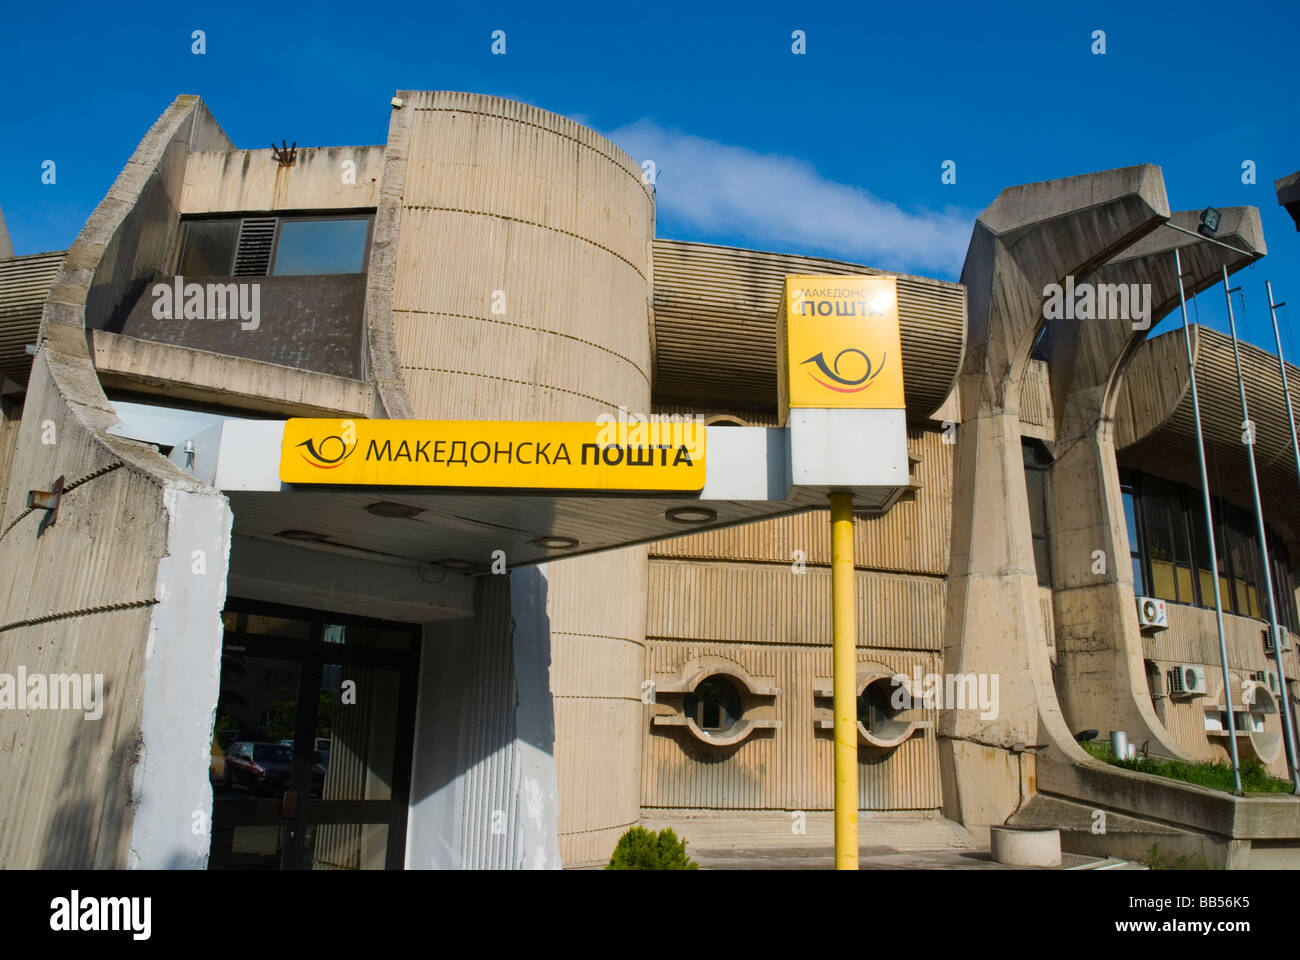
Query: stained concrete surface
x=765, y=840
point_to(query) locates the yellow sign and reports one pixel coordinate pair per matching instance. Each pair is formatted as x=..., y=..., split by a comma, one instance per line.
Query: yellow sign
x=839, y=344
x=650, y=457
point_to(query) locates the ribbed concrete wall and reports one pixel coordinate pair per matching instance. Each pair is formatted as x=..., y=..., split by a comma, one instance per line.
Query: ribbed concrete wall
x=911, y=538
x=715, y=325
x=788, y=768
x=1193, y=638
x=1036, y=417
x=521, y=291
x=775, y=624
x=733, y=593
x=24, y=284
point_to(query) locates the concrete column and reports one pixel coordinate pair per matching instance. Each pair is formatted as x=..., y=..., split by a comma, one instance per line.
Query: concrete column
x=1101, y=678
x=1030, y=236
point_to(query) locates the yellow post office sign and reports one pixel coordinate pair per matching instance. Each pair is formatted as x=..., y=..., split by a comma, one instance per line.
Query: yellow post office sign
x=838, y=344
x=649, y=457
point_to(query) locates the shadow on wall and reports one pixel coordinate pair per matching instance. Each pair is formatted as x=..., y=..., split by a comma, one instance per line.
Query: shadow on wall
x=74, y=839
x=478, y=790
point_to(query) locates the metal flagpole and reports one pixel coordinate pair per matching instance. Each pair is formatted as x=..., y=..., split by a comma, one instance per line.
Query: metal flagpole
x=1209, y=530
x=1249, y=431
x=1290, y=419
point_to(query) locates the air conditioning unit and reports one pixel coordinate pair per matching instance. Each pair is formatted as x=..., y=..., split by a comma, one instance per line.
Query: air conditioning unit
x=1268, y=678
x=1187, y=680
x=1152, y=614
x=1285, y=637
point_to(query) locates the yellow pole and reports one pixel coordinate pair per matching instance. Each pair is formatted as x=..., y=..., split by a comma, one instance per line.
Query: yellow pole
x=845, y=667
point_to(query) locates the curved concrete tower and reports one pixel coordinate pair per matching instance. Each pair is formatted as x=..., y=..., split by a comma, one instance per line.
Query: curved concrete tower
x=521, y=265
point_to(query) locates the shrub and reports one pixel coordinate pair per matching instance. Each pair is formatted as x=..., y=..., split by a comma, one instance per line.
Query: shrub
x=1254, y=777
x=640, y=849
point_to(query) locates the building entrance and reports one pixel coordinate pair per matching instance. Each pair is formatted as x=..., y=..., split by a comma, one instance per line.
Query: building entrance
x=311, y=752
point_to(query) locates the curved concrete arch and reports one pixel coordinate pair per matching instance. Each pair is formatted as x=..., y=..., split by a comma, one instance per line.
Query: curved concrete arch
x=1029, y=237
x=1101, y=677
x=83, y=610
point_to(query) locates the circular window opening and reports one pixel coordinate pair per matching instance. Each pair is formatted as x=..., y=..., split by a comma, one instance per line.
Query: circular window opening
x=715, y=706
x=876, y=710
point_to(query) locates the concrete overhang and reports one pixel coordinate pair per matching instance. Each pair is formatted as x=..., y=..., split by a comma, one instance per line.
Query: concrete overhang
x=1288, y=195
x=747, y=478
x=168, y=370
x=1155, y=428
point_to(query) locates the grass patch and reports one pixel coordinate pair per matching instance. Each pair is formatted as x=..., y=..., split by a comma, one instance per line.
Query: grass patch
x=1218, y=776
x=1158, y=860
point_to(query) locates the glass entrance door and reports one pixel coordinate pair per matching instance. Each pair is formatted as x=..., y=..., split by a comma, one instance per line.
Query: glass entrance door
x=312, y=749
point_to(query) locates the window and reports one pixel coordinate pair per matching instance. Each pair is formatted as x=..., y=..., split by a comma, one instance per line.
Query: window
x=876, y=709
x=208, y=249
x=1168, y=539
x=1134, y=539
x=1037, y=460
x=317, y=247
x=274, y=246
x=715, y=706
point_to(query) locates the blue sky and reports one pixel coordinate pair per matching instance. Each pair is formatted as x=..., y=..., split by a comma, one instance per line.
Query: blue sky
x=836, y=152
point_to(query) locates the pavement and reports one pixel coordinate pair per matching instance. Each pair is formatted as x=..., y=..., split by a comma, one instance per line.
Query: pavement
x=793, y=840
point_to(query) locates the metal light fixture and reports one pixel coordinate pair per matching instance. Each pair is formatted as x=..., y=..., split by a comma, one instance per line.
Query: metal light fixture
x=309, y=535
x=555, y=543
x=456, y=564
x=691, y=515
x=1209, y=222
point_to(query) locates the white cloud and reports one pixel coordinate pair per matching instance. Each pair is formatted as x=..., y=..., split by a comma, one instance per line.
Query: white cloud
x=780, y=203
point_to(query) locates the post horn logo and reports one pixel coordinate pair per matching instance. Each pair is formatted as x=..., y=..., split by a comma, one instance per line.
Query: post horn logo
x=833, y=371
x=332, y=452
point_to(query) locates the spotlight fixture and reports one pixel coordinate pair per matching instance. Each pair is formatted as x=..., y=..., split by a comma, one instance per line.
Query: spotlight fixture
x=310, y=535
x=555, y=543
x=456, y=564
x=1209, y=222
x=691, y=515
x=386, y=508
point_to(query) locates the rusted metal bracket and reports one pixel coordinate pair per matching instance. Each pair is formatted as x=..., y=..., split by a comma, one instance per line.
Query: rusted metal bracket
x=284, y=154
x=47, y=500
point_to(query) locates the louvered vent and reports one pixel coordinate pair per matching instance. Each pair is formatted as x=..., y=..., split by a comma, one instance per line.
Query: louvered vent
x=253, y=252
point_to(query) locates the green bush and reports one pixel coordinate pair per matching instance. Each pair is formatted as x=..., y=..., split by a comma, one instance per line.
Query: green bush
x=640, y=849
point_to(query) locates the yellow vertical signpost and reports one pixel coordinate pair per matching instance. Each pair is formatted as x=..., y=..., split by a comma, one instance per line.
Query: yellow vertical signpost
x=844, y=654
x=840, y=370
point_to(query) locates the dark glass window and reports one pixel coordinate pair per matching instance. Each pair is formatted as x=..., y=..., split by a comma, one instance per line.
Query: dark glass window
x=208, y=249
x=1134, y=540
x=1037, y=461
x=275, y=246
x=715, y=705
x=1167, y=543
x=876, y=709
x=1170, y=521
x=317, y=247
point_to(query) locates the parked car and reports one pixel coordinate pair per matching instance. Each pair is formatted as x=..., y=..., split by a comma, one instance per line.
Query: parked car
x=261, y=768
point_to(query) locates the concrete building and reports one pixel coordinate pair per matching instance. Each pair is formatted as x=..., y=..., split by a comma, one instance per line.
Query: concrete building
x=344, y=678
